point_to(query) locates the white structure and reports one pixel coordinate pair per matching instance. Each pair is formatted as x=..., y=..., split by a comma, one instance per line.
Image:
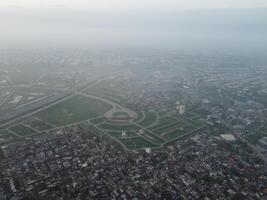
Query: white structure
x=5, y=151
x=59, y=132
x=148, y=150
x=228, y=137
x=141, y=131
x=181, y=109
x=123, y=134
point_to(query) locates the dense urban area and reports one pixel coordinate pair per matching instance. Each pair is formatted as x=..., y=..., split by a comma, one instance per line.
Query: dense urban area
x=79, y=124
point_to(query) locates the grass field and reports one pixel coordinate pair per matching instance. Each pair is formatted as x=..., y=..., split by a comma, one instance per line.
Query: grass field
x=3, y=127
x=22, y=130
x=118, y=127
x=121, y=115
x=156, y=131
x=136, y=143
x=170, y=127
x=107, y=92
x=159, y=126
x=166, y=110
x=98, y=120
x=117, y=134
x=150, y=118
x=191, y=115
x=174, y=134
x=39, y=125
x=162, y=122
x=73, y=110
x=6, y=136
x=141, y=116
x=192, y=122
x=152, y=137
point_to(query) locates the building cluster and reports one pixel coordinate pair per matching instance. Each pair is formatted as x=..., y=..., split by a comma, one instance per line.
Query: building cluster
x=76, y=163
x=151, y=98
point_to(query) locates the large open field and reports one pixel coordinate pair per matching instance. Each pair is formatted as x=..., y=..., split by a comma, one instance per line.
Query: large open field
x=149, y=130
x=6, y=136
x=22, y=130
x=135, y=130
x=75, y=109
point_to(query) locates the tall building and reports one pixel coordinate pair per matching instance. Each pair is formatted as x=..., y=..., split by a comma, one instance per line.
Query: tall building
x=181, y=109
x=123, y=134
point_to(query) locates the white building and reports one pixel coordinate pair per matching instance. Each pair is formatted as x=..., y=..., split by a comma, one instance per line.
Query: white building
x=181, y=109
x=123, y=134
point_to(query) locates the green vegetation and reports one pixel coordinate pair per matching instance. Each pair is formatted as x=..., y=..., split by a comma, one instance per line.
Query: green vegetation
x=98, y=120
x=163, y=122
x=75, y=109
x=118, y=127
x=167, y=110
x=174, y=134
x=136, y=143
x=109, y=94
x=3, y=132
x=39, y=125
x=141, y=116
x=188, y=129
x=3, y=128
x=170, y=127
x=150, y=118
x=191, y=115
x=6, y=136
x=153, y=137
x=22, y=130
x=186, y=120
x=158, y=125
x=121, y=115
x=117, y=134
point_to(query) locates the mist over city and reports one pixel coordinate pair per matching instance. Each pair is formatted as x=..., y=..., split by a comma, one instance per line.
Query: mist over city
x=137, y=100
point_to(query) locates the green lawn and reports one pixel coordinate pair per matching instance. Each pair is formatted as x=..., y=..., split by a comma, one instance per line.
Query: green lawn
x=3, y=128
x=153, y=137
x=5, y=136
x=117, y=134
x=4, y=132
x=186, y=120
x=174, y=134
x=170, y=127
x=136, y=143
x=163, y=122
x=22, y=130
x=150, y=118
x=98, y=120
x=121, y=115
x=107, y=94
x=140, y=117
x=39, y=125
x=118, y=127
x=73, y=110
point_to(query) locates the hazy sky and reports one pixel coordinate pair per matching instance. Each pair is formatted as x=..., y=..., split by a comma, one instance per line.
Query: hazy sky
x=117, y=5
x=127, y=23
